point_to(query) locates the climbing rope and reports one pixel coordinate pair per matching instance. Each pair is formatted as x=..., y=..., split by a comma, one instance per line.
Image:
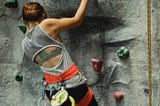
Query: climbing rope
x=149, y=51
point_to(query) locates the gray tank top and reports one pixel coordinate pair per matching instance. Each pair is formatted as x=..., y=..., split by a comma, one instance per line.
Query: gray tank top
x=37, y=40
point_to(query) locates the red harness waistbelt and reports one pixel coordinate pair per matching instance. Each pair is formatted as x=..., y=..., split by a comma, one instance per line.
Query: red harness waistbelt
x=86, y=99
x=67, y=74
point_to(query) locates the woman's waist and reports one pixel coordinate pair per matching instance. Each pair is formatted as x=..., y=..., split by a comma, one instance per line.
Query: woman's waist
x=70, y=83
x=70, y=76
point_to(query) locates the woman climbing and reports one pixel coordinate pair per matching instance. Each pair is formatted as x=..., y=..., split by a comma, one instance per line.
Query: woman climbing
x=44, y=46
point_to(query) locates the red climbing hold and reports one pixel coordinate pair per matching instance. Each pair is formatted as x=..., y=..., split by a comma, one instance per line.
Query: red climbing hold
x=96, y=64
x=118, y=95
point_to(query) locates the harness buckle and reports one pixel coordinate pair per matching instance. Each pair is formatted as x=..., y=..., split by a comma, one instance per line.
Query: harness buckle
x=62, y=84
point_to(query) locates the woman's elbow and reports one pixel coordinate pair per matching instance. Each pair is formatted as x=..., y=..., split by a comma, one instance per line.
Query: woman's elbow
x=79, y=21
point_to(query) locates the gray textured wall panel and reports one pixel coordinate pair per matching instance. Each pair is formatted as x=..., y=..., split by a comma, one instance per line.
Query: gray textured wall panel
x=108, y=25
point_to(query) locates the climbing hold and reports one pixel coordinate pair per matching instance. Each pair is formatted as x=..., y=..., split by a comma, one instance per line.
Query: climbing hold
x=146, y=90
x=22, y=27
x=122, y=52
x=96, y=64
x=19, y=76
x=11, y=3
x=118, y=95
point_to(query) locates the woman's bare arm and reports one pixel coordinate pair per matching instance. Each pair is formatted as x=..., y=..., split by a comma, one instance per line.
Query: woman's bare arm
x=66, y=23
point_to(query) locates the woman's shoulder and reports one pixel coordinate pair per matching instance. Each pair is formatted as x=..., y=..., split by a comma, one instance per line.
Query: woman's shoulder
x=48, y=25
x=48, y=22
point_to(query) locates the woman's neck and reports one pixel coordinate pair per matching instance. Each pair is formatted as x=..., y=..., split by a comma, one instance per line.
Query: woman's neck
x=32, y=24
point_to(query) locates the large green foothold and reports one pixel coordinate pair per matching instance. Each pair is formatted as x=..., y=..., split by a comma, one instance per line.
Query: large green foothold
x=19, y=76
x=22, y=27
x=11, y=3
x=122, y=52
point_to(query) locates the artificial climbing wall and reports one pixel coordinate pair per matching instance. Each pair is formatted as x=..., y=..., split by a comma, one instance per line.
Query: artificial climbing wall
x=108, y=25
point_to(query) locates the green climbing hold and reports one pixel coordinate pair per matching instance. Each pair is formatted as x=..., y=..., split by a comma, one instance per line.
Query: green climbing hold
x=19, y=76
x=22, y=27
x=122, y=52
x=11, y=3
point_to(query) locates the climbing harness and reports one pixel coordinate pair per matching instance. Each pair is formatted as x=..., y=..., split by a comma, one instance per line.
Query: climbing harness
x=58, y=97
x=70, y=72
x=67, y=74
x=41, y=101
x=86, y=99
x=149, y=51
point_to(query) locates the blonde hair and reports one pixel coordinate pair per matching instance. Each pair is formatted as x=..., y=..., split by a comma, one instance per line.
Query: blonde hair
x=32, y=11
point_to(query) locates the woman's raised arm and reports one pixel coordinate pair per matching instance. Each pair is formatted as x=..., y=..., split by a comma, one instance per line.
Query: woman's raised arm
x=66, y=23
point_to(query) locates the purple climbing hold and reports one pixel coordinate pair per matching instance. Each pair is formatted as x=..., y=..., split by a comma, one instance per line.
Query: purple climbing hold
x=146, y=90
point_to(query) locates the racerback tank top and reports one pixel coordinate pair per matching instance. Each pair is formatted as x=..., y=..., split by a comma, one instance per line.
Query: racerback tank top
x=37, y=40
